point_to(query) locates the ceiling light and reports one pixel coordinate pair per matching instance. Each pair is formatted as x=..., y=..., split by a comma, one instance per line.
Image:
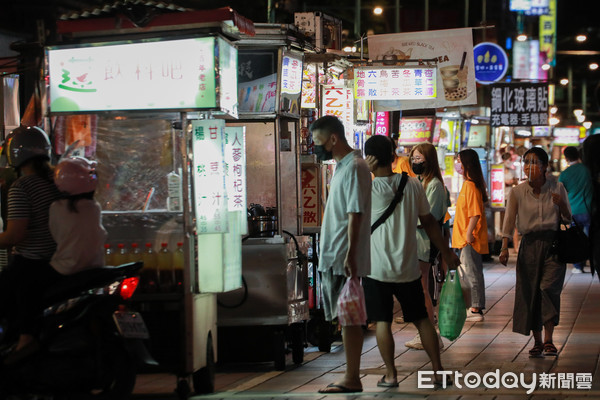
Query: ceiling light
x=378, y=10
x=587, y=124
x=581, y=38
x=545, y=67
x=522, y=37
x=593, y=66
x=564, y=81
x=581, y=118
x=553, y=121
x=553, y=110
x=577, y=112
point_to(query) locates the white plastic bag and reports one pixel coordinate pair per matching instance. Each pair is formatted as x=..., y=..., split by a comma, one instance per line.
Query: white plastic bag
x=351, y=306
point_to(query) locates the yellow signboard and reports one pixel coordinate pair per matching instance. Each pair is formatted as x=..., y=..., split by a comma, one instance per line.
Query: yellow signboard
x=548, y=33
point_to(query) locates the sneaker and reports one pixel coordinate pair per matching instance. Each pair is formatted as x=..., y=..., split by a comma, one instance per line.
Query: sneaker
x=473, y=316
x=415, y=343
x=576, y=270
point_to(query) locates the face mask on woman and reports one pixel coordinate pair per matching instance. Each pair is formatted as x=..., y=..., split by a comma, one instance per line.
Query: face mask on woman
x=458, y=168
x=418, y=168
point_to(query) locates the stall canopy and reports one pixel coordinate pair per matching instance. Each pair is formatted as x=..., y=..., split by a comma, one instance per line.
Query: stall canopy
x=153, y=19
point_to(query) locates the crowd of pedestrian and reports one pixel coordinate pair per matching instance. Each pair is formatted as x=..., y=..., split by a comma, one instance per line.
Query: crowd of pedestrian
x=386, y=228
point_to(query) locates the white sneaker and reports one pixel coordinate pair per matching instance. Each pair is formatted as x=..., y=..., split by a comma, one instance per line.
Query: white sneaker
x=474, y=316
x=415, y=343
x=576, y=270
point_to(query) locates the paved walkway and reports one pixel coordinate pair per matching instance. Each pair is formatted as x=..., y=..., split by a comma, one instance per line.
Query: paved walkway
x=488, y=347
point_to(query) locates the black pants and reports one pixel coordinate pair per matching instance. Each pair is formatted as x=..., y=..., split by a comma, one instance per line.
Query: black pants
x=22, y=285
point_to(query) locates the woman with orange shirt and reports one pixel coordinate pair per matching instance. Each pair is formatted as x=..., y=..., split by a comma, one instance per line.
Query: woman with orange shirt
x=470, y=229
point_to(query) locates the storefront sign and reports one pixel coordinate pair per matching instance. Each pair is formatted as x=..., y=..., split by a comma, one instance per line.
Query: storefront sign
x=530, y=7
x=161, y=75
x=437, y=130
x=548, y=33
x=310, y=197
x=309, y=86
x=415, y=130
x=227, y=71
x=258, y=95
x=491, y=63
x=478, y=135
x=382, y=123
x=497, y=184
x=568, y=136
x=453, y=51
x=210, y=194
x=291, y=74
x=395, y=83
x=541, y=131
x=235, y=162
x=519, y=104
x=338, y=101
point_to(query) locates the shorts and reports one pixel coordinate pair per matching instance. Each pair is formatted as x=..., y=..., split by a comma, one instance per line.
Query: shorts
x=331, y=287
x=379, y=297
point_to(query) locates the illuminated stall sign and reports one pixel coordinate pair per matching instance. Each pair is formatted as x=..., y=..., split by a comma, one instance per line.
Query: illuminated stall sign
x=159, y=75
x=291, y=75
x=338, y=101
x=235, y=163
x=310, y=197
x=568, y=136
x=497, y=183
x=309, y=86
x=415, y=130
x=227, y=71
x=382, y=123
x=548, y=33
x=478, y=135
x=395, y=83
x=257, y=80
x=437, y=130
x=210, y=195
x=519, y=104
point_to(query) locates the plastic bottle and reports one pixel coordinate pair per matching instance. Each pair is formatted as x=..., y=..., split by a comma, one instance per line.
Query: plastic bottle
x=108, y=255
x=135, y=254
x=121, y=256
x=149, y=274
x=165, y=269
x=178, y=262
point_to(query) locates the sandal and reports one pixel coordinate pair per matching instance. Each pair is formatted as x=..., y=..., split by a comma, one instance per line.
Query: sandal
x=537, y=350
x=550, y=349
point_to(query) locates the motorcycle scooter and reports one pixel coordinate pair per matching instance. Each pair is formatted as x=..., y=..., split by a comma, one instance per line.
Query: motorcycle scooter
x=89, y=346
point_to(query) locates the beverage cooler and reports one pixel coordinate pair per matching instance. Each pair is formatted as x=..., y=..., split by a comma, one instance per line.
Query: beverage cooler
x=170, y=179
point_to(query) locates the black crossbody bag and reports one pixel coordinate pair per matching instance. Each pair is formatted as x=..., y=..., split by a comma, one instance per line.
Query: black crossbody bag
x=397, y=199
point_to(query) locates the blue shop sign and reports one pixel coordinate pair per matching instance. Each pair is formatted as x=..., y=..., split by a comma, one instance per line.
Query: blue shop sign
x=491, y=63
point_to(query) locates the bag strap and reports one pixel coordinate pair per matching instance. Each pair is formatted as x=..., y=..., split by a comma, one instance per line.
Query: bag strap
x=397, y=199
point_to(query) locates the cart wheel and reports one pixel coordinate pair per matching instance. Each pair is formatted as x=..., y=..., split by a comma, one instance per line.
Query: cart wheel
x=183, y=389
x=298, y=343
x=204, y=378
x=279, y=350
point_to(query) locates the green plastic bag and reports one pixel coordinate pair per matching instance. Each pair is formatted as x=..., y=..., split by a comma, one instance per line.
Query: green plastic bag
x=452, y=310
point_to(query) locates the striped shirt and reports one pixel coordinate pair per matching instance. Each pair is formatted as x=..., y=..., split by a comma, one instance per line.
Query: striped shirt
x=29, y=197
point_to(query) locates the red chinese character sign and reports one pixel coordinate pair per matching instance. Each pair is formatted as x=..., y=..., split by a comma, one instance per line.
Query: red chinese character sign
x=161, y=75
x=210, y=195
x=497, y=179
x=395, y=83
x=310, y=197
x=415, y=130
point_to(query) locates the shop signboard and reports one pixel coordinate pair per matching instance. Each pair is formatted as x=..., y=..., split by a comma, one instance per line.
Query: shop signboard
x=437, y=129
x=235, y=172
x=415, y=130
x=519, y=104
x=530, y=7
x=176, y=74
x=548, y=33
x=210, y=195
x=291, y=82
x=338, y=101
x=311, y=214
x=452, y=50
x=227, y=73
x=491, y=63
x=541, y=131
x=478, y=135
x=257, y=80
x=309, y=86
x=497, y=185
x=395, y=83
x=363, y=108
x=382, y=123
x=568, y=136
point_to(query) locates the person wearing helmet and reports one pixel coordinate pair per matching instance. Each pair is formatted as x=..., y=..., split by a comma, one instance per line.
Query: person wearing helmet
x=27, y=231
x=75, y=220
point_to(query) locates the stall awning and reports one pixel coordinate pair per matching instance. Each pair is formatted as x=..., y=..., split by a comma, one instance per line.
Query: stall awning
x=121, y=23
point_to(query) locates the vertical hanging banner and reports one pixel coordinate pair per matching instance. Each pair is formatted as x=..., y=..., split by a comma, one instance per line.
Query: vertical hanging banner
x=548, y=33
x=497, y=183
x=210, y=194
x=235, y=164
x=311, y=209
x=519, y=104
x=382, y=123
x=453, y=51
x=339, y=102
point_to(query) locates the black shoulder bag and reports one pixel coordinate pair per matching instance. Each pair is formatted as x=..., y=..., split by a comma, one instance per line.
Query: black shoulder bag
x=397, y=198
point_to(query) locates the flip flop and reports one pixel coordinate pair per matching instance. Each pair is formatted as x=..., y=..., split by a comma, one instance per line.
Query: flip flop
x=336, y=388
x=382, y=383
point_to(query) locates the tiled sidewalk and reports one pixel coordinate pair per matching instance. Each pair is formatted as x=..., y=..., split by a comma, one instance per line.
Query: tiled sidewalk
x=483, y=347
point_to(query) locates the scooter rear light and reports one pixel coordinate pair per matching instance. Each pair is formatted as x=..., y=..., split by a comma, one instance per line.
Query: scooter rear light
x=128, y=287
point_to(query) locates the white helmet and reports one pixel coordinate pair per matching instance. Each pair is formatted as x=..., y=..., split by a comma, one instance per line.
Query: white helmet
x=76, y=175
x=25, y=143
